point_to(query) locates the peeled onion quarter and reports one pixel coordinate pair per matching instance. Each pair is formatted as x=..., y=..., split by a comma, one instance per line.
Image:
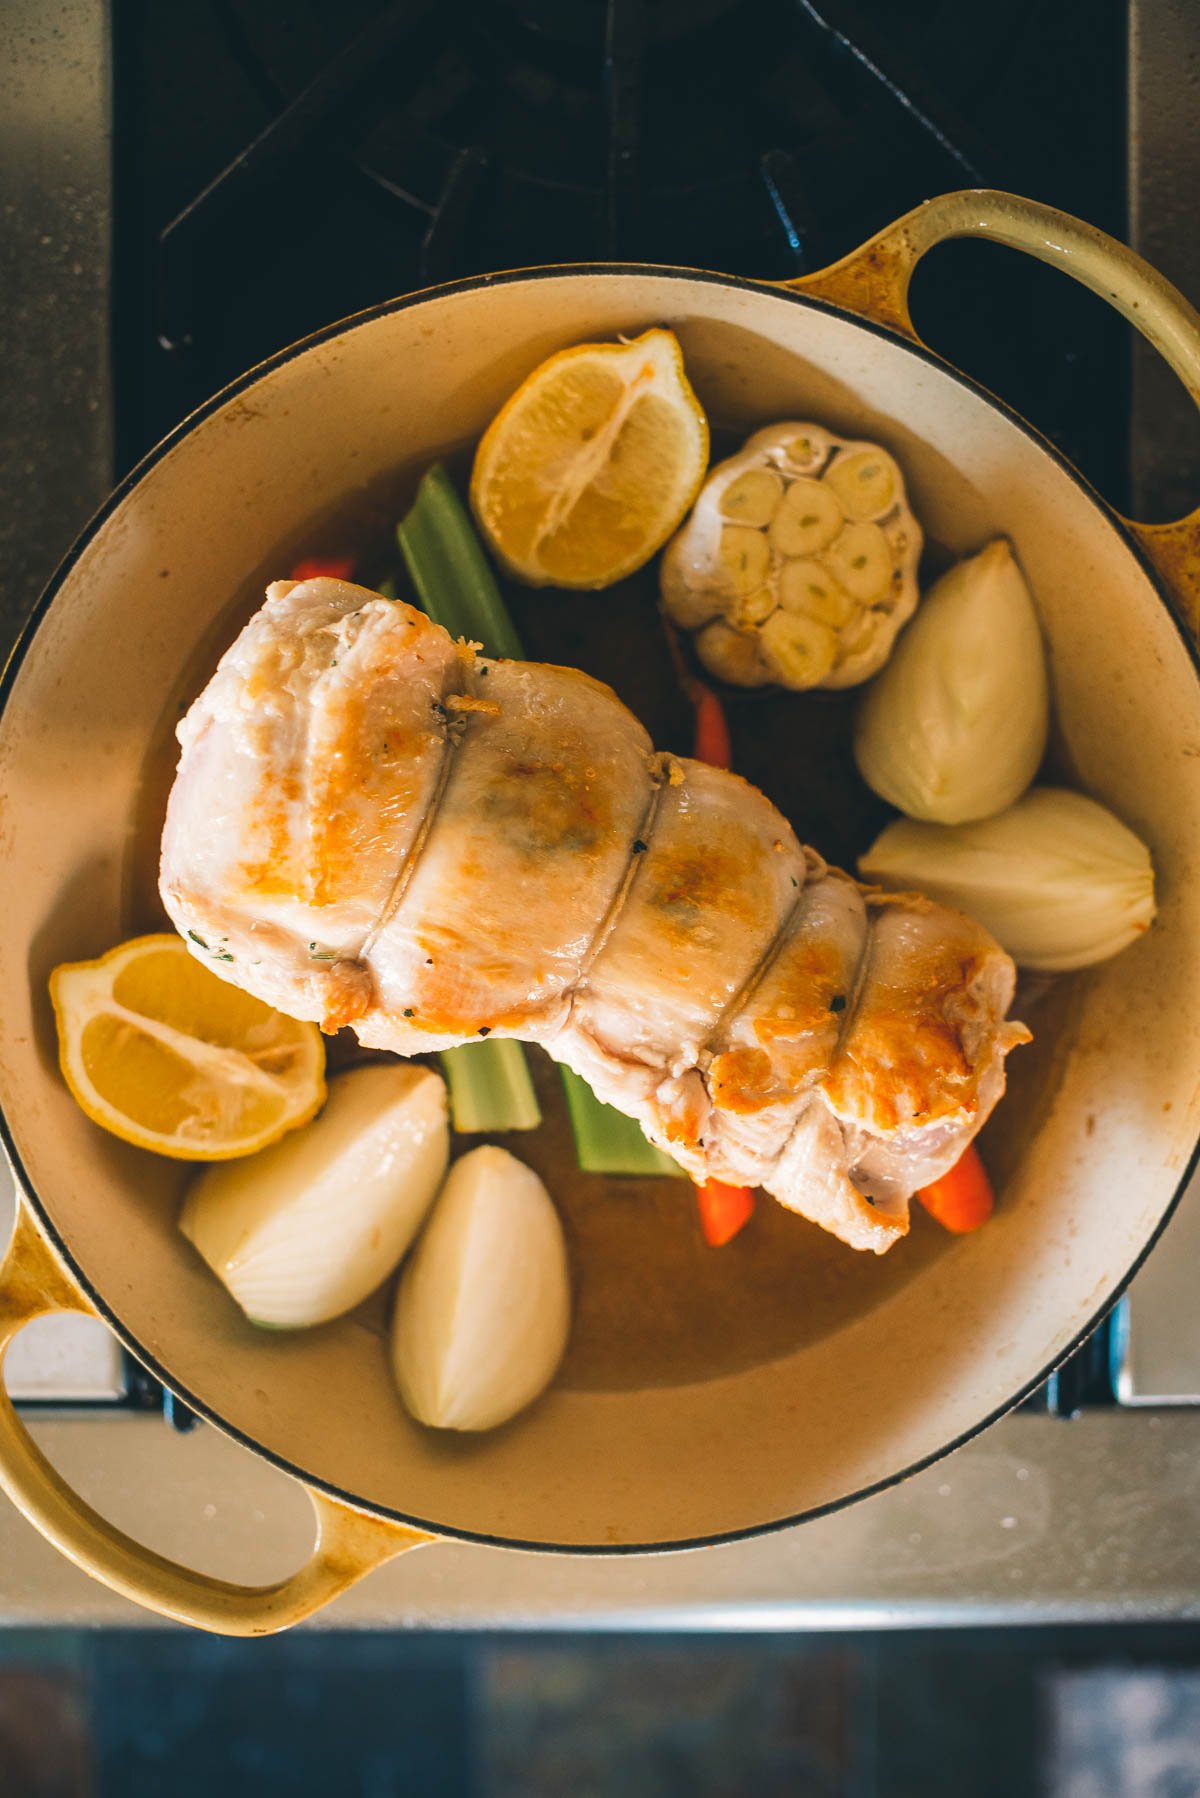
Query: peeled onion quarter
x=305, y=1230
x=955, y=727
x=1058, y=879
x=483, y=1311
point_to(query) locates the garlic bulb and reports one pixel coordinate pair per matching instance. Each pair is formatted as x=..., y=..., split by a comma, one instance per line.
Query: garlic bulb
x=1057, y=879
x=798, y=564
x=483, y=1310
x=955, y=726
x=305, y=1230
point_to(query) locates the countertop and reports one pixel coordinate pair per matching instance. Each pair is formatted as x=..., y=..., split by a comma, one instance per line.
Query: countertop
x=1038, y=1521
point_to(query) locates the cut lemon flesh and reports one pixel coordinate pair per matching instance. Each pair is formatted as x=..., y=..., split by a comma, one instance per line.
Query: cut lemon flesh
x=592, y=463
x=163, y=1053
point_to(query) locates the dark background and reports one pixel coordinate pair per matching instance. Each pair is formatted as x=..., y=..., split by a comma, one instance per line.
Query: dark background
x=984, y=1714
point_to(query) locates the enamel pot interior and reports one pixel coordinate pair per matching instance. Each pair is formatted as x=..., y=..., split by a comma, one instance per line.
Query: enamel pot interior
x=1094, y=1147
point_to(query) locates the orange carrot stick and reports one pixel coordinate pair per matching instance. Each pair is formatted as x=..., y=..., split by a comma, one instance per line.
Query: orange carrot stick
x=962, y=1199
x=711, y=740
x=723, y=1210
x=712, y=730
x=311, y=568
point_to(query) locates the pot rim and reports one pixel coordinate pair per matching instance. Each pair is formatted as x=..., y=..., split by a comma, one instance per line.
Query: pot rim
x=468, y=284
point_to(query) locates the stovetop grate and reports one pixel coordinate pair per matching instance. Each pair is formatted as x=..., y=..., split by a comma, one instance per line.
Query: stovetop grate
x=279, y=167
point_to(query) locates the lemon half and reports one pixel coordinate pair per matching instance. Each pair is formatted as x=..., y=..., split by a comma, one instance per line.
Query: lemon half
x=163, y=1053
x=592, y=463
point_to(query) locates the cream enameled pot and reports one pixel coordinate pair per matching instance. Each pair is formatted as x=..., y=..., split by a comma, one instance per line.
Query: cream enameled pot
x=101, y=667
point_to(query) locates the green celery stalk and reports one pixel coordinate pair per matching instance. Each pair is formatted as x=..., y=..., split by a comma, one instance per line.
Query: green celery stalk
x=606, y=1141
x=448, y=568
x=490, y=1087
x=458, y=590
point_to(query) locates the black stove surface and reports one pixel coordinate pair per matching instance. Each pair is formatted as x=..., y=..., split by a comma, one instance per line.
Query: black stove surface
x=378, y=146
x=281, y=164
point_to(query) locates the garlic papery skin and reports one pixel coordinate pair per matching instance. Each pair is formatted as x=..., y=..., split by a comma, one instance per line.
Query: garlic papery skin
x=1057, y=879
x=954, y=728
x=304, y=1231
x=484, y=1306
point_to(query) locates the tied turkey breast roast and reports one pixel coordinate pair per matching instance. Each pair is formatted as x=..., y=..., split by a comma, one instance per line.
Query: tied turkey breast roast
x=374, y=826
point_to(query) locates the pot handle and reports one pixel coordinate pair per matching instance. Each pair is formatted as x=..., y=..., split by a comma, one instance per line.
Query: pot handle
x=873, y=281
x=349, y=1543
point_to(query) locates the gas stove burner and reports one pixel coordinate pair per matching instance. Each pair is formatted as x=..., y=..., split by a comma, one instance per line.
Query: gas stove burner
x=542, y=110
x=345, y=155
x=582, y=24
